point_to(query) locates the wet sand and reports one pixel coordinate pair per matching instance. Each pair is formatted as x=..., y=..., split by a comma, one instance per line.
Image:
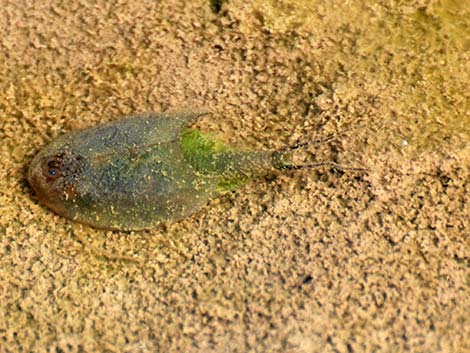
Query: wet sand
x=305, y=261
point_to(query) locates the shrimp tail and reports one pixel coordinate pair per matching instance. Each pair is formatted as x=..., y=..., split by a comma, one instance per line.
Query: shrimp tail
x=282, y=159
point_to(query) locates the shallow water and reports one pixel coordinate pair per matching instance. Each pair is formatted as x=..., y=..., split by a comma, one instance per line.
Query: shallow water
x=314, y=261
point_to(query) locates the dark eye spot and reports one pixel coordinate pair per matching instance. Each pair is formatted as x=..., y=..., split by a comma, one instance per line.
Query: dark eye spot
x=53, y=167
x=53, y=172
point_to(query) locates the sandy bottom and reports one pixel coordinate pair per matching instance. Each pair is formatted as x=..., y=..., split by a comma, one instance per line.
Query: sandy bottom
x=306, y=261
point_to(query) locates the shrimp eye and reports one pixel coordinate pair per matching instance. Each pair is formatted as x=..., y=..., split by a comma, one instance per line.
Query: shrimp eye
x=53, y=169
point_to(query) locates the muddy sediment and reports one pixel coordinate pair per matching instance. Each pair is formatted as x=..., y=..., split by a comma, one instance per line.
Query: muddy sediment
x=306, y=261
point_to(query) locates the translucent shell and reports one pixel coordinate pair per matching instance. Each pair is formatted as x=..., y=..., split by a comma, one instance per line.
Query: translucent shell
x=129, y=174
